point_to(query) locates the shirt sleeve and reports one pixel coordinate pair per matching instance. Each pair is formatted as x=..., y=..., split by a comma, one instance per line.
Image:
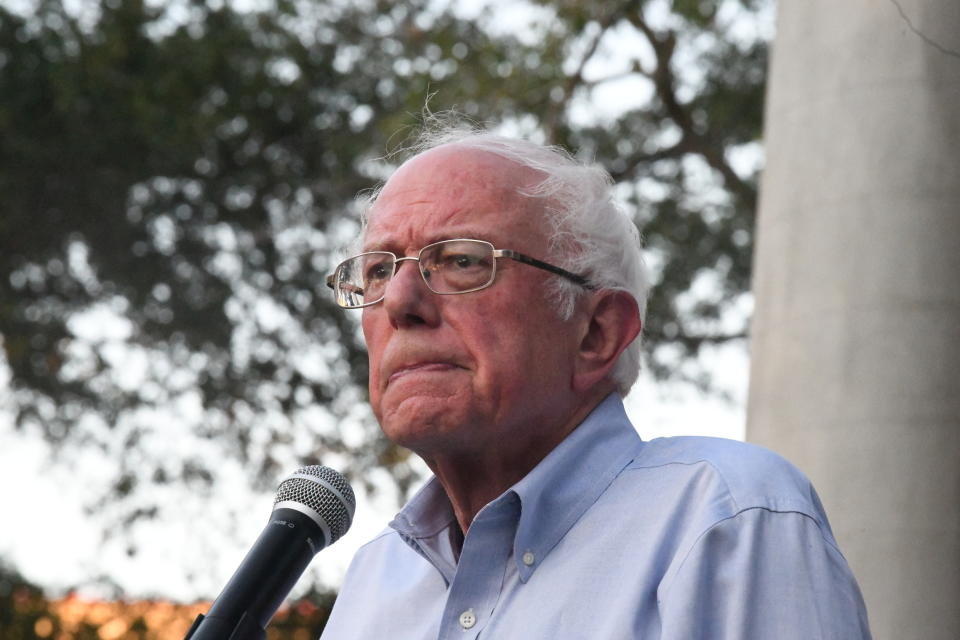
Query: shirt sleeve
x=763, y=574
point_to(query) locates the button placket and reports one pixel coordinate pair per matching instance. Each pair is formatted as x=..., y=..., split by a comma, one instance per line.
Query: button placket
x=478, y=582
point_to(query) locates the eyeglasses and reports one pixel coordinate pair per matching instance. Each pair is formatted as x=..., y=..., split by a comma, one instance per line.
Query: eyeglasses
x=448, y=267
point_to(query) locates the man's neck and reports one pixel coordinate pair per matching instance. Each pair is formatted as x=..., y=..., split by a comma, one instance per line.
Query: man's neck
x=473, y=479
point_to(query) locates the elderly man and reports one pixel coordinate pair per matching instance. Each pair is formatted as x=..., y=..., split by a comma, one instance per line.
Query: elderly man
x=502, y=295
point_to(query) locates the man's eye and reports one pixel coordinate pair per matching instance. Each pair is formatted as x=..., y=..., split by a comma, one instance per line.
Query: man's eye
x=378, y=271
x=461, y=261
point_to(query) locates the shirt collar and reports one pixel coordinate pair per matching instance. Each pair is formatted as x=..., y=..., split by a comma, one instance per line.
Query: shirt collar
x=552, y=496
x=425, y=524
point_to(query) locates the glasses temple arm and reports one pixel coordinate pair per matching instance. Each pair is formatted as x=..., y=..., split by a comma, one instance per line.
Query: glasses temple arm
x=533, y=262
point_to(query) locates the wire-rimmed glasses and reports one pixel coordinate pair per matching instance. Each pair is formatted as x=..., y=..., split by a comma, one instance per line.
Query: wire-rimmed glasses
x=448, y=267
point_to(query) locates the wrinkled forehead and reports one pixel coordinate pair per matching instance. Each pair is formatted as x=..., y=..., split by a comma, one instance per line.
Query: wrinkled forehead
x=452, y=189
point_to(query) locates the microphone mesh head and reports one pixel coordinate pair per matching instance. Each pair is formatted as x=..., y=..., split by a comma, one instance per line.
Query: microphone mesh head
x=311, y=486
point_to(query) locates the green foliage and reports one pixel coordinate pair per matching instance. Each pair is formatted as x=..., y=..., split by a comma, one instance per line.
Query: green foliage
x=174, y=178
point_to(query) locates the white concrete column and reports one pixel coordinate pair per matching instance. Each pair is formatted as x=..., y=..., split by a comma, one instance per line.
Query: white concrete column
x=855, y=373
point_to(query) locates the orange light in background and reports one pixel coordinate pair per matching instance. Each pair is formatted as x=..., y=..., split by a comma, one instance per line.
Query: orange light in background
x=43, y=627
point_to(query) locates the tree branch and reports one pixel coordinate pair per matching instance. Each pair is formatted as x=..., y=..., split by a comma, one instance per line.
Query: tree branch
x=681, y=148
x=693, y=140
x=551, y=120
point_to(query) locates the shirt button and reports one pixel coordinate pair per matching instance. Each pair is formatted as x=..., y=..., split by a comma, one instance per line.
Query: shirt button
x=529, y=558
x=468, y=619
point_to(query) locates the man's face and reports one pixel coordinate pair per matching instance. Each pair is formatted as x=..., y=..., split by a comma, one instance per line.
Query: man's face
x=482, y=371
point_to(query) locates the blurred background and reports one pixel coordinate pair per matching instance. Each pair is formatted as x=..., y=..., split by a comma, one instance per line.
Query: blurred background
x=177, y=178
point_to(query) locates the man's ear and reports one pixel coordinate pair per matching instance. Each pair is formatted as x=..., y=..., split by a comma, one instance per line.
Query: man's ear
x=612, y=323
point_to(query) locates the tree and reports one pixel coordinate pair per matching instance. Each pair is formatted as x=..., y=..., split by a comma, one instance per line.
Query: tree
x=176, y=181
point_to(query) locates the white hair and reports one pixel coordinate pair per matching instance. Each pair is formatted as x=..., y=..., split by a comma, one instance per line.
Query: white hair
x=590, y=234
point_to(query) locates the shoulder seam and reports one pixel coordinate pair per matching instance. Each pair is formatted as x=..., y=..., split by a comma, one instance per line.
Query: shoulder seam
x=691, y=463
x=827, y=539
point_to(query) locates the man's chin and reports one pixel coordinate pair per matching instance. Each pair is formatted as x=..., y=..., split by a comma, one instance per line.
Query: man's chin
x=420, y=422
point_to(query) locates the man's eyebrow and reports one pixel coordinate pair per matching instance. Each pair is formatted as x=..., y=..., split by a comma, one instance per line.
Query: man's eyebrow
x=461, y=234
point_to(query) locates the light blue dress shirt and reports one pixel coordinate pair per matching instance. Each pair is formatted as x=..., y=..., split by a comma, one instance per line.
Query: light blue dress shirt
x=611, y=538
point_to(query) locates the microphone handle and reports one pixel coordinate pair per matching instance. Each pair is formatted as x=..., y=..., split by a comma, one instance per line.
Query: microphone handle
x=264, y=578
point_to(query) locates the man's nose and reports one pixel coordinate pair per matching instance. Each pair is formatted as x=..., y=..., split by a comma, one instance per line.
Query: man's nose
x=407, y=299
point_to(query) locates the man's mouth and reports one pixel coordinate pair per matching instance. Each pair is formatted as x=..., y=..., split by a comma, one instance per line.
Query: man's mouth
x=420, y=367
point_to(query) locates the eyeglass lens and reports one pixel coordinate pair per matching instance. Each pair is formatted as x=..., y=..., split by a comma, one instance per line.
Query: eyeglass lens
x=451, y=266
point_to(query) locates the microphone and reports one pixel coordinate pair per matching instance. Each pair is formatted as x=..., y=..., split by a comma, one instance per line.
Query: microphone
x=313, y=509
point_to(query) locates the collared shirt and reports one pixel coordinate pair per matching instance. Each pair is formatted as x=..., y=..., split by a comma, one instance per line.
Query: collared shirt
x=611, y=538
